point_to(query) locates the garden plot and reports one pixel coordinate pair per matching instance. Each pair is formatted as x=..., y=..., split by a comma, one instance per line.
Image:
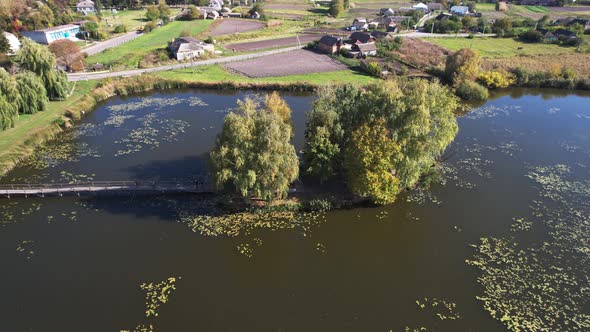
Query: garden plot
x=229, y=26
x=284, y=64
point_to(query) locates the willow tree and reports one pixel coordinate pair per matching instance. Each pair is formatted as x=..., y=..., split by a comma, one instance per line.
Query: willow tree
x=41, y=61
x=370, y=158
x=32, y=93
x=253, y=154
x=417, y=114
x=10, y=100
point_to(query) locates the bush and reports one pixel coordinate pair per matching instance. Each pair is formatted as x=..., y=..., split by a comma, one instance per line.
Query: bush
x=494, y=79
x=531, y=36
x=472, y=91
x=374, y=69
x=121, y=28
x=149, y=27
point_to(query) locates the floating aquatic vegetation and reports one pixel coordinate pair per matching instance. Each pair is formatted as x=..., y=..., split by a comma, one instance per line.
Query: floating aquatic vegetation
x=509, y=148
x=321, y=248
x=382, y=215
x=87, y=130
x=151, y=133
x=152, y=102
x=157, y=294
x=25, y=249
x=245, y=249
x=71, y=178
x=141, y=328
x=583, y=116
x=196, y=101
x=441, y=308
x=117, y=120
x=451, y=173
x=542, y=286
x=569, y=147
x=414, y=329
x=421, y=195
x=234, y=224
x=553, y=110
x=521, y=225
x=491, y=111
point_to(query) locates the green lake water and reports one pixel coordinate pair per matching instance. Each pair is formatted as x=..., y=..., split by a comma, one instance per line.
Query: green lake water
x=518, y=171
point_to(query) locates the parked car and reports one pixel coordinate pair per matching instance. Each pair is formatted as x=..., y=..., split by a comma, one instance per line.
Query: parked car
x=351, y=28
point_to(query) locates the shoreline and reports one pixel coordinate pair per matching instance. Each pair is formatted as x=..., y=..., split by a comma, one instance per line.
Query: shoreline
x=105, y=89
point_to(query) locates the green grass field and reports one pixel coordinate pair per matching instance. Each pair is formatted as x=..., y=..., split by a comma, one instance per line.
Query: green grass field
x=499, y=47
x=218, y=74
x=129, y=54
x=485, y=7
x=537, y=9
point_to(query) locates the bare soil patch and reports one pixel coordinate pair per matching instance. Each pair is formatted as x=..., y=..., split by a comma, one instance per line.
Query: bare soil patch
x=229, y=26
x=284, y=64
x=273, y=43
x=328, y=31
x=570, y=9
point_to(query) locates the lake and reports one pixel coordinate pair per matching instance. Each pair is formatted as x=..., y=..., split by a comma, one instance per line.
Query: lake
x=516, y=188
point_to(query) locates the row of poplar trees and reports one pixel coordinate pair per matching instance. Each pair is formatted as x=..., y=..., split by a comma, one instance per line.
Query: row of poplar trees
x=378, y=139
x=37, y=81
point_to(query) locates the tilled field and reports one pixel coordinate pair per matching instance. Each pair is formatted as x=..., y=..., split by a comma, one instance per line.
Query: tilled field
x=284, y=64
x=272, y=43
x=229, y=26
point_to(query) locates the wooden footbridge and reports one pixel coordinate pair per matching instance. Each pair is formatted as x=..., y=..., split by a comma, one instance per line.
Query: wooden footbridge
x=96, y=187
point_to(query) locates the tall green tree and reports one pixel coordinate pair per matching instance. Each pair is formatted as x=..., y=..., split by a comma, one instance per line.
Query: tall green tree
x=337, y=8
x=417, y=114
x=153, y=13
x=9, y=100
x=41, y=61
x=370, y=159
x=32, y=93
x=253, y=154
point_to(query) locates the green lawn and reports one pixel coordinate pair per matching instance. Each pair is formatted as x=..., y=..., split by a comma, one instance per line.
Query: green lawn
x=130, y=18
x=129, y=54
x=485, y=7
x=537, y=9
x=218, y=74
x=499, y=47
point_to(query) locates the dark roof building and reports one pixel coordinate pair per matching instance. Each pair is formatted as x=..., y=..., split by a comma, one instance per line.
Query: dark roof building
x=361, y=38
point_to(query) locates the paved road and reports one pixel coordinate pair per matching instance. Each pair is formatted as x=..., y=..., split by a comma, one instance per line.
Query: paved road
x=99, y=47
x=95, y=76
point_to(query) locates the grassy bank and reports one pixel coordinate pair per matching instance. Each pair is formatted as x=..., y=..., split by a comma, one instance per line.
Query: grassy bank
x=31, y=130
x=216, y=73
x=129, y=54
x=500, y=47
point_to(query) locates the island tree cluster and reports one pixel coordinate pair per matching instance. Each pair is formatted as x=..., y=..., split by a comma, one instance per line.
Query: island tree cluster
x=378, y=139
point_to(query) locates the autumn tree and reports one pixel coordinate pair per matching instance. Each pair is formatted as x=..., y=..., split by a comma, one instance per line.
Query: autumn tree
x=370, y=159
x=32, y=93
x=253, y=154
x=463, y=65
x=275, y=104
x=67, y=54
x=41, y=61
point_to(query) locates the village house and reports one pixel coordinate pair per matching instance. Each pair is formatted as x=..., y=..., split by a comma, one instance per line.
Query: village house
x=365, y=50
x=460, y=10
x=564, y=34
x=86, y=7
x=212, y=15
x=548, y=36
x=570, y=21
x=387, y=23
x=434, y=6
x=381, y=35
x=49, y=35
x=330, y=44
x=216, y=4
x=13, y=42
x=360, y=23
x=421, y=7
x=386, y=12
x=189, y=48
x=361, y=38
